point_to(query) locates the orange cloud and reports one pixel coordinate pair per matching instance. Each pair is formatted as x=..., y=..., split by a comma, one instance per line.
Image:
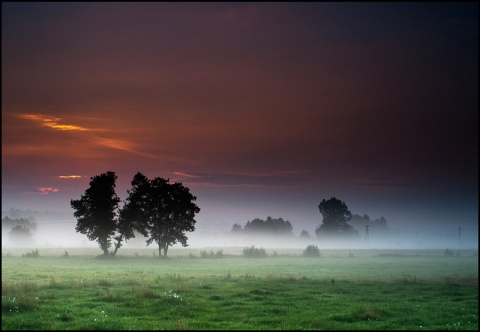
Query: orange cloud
x=123, y=145
x=52, y=122
x=47, y=190
x=70, y=176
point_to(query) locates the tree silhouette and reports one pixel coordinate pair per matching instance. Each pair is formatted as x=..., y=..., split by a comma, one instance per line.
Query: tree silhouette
x=271, y=226
x=160, y=211
x=335, y=218
x=236, y=229
x=304, y=235
x=96, y=210
x=21, y=236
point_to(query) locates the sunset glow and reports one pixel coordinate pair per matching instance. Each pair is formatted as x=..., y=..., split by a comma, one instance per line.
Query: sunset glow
x=46, y=191
x=52, y=122
x=260, y=108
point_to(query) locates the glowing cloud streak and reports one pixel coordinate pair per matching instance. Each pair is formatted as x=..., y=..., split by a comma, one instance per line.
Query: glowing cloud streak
x=52, y=122
x=47, y=190
x=187, y=175
x=70, y=176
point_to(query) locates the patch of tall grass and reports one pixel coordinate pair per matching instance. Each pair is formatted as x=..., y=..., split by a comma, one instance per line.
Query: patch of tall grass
x=19, y=296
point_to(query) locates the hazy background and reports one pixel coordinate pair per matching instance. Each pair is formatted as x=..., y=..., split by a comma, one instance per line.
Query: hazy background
x=261, y=109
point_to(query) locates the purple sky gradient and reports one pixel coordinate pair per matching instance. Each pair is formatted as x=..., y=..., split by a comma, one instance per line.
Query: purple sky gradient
x=261, y=109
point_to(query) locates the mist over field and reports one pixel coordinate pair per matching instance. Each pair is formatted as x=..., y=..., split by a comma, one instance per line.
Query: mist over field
x=55, y=229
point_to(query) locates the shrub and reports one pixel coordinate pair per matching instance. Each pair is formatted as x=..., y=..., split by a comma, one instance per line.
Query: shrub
x=311, y=251
x=34, y=253
x=448, y=252
x=254, y=252
x=211, y=254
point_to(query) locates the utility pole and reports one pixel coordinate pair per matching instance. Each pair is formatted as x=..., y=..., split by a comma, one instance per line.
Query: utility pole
x=459, y=238
x=367, y=240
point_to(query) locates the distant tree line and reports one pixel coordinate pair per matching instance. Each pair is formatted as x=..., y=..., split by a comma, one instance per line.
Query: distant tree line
x=155, y=208
x=337, y=222
x=19, y=230
x=270, y=226
x=378, y=225
x=8, y=223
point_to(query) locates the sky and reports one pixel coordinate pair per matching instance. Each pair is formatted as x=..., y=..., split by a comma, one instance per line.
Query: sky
x=261, y=109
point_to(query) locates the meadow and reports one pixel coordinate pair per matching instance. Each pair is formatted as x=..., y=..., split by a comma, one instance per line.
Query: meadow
x=220, y=289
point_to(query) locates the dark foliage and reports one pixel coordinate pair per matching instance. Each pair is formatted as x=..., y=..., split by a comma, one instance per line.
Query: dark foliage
x=311, y=251
x=21, y=236
x=236, y=229
x=253, y=252
x=34, y=254
x=270, y=226
x=160, y=211
x=336, y=216
x=8, y=223
x=96, y=210
x=304, y=235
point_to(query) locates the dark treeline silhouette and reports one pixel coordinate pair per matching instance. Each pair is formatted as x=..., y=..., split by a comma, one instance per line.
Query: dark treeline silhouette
x=336, y=216
x=270, y=226
x=337, y=222
x=159, y=210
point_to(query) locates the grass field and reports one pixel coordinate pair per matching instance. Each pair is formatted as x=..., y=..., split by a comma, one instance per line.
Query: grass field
x=218, y=288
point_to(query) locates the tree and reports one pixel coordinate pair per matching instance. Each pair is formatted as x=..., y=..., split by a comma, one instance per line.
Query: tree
x=311, y=251
x=335, y=218
x=20, y=235
x=8, y=223
x=271, y=226
x=304, y=235
x=96, y=211
x=160, y=211
x=236, y=229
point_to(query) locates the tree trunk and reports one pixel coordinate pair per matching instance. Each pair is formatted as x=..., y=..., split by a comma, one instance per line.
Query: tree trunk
x=165, y=249
x=105, y=250
x=117, y=245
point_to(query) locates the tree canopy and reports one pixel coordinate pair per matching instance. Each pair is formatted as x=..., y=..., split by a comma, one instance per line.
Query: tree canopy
x=96, y=210
x=21, y=236
x=270, y=226
x=160, y=211
x=8, y=223
x=336, y=216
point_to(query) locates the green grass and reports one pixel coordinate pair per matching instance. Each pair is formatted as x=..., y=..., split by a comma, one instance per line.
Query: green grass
x=408, y=290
